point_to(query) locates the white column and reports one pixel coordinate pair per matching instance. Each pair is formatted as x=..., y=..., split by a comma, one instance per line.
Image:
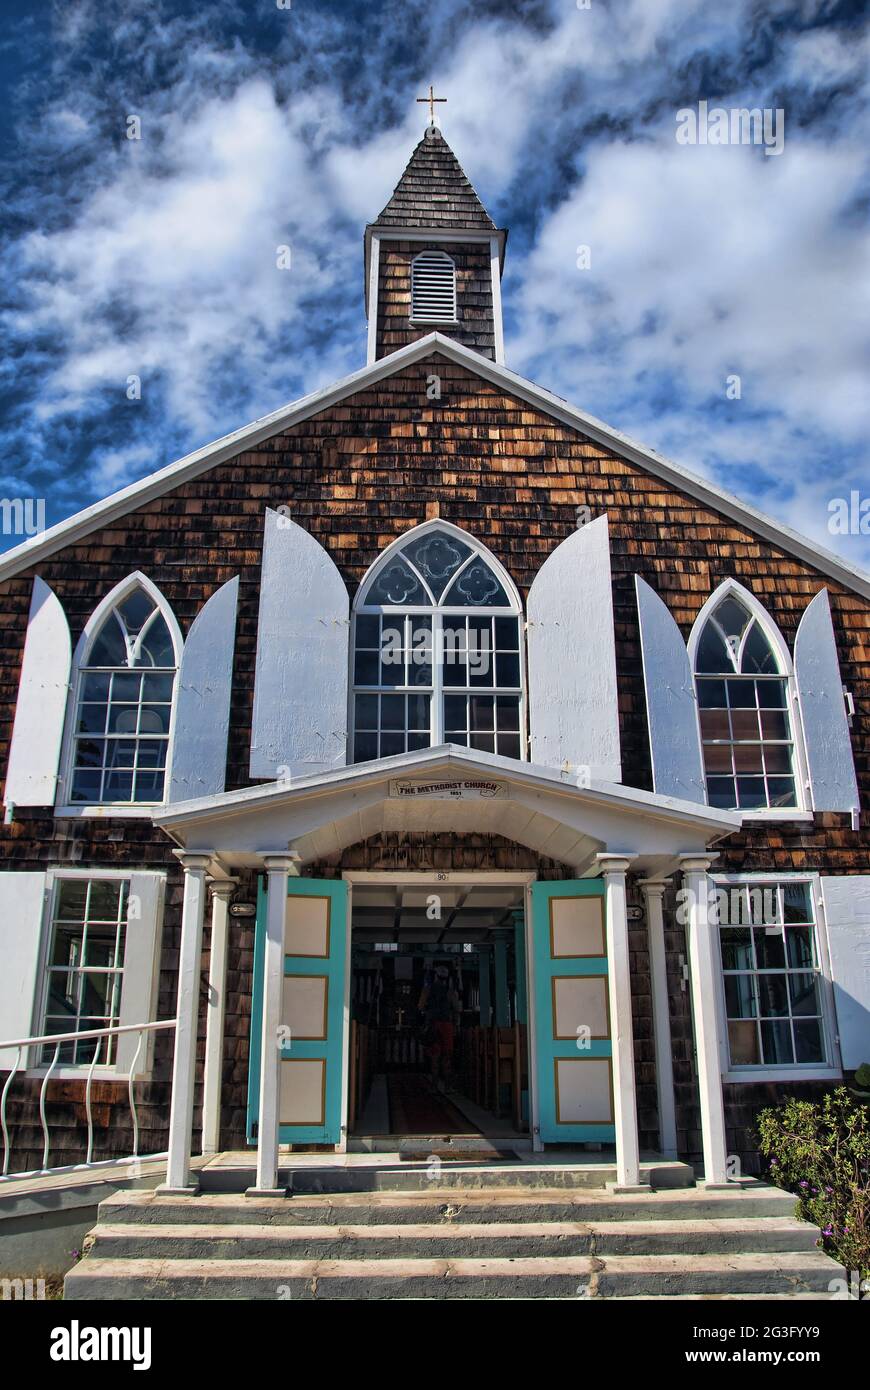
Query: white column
x=278, y=868
x=614, y=868
x=187, y=1016
x=704, y=968
x=221, y=892
x=653, y=892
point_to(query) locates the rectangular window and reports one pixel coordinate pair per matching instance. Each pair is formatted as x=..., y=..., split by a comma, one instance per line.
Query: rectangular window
x=771, y=969
x=84, y=966
x=748, y=751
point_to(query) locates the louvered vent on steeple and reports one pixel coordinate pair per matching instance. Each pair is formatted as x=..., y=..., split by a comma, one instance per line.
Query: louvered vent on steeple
x=433, y=288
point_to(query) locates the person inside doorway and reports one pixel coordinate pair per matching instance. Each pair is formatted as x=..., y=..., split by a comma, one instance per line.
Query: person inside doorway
x=440, y=1004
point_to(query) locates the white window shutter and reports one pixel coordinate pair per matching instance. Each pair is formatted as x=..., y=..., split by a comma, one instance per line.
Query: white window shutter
x=142, y=944
x=833, y=783
x=671, y=706
x=300, y=684
x=43, y=691
x=847, y=917
x=22, y=913
x=202, y=701
x=573, y=710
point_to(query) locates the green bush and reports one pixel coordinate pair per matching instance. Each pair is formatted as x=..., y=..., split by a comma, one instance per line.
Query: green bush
x=821, y=1153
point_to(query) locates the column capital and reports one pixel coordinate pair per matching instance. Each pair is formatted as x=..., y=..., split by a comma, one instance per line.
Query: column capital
x=280, y=860
x=223, y=887
x=654, y=887
x=696, y=863
x=194, y=862
x=615, y=863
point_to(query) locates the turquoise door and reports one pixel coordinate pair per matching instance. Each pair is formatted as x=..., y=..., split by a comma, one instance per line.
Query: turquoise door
x=572, y=1012
x=312, y=1013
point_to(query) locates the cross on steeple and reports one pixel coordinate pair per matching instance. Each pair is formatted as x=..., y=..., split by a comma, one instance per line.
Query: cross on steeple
x=431, y=98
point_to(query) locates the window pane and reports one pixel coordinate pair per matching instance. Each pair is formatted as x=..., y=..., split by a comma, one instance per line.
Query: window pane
x=366, y=666
x=774, y=724
x=365, y=747
x=743, y=1044
x=804, y=994
x=744, y=724
x=508, y=712
x=736, y=945
x=454, y=712
x=418, y=711
x=110, y=648
x=769, y=949
x=740, y=1001
x=482, y=714
x=751, y=792
x=92, y=719
x=392, y=744
x=772, y=995
x=366, y=712
x=712, y=652
x=777, y=758
x=720, y=792
x=507, y=666
x=476, y=587
x=747, y=757
x=799, y=943
x=368, y=630
x=781, y=791
x=715, y=723
x=808, y=1041
x=154, y=719
x=149, y=786
x=72, y=899
x=771, y=694
x=96, y=686
x=392, y=711
x=397, y=584
x=485, y=743
x=437, y=556
x=758, y=653
x=509, y=745
x=507, y=634
x=796, y=901
x=776, y=1043
x=156, y=647
x=717, y=757
x=85, y=786
x=711, y=694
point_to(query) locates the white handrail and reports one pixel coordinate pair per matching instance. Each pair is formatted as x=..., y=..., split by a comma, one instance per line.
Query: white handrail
x=89, y=1033
x=58, y=1038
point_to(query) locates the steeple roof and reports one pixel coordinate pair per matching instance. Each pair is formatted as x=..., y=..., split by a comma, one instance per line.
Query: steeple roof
x=435, y=192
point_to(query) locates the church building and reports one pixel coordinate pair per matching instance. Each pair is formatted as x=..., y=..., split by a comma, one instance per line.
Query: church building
x=428, y=759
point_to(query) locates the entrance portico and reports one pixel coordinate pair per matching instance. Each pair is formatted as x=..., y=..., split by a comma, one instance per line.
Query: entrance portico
x=602, y=833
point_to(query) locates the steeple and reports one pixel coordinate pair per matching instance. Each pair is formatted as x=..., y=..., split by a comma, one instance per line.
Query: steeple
x=434, y=258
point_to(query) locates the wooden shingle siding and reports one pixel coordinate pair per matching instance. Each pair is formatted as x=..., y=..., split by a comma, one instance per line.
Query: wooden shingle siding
x=434, y=191
x=473, y=296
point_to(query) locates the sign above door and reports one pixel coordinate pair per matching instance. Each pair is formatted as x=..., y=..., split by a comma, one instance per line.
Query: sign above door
x=452, y=789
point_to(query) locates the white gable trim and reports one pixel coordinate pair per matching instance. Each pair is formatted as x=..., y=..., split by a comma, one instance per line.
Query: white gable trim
x=192, y=465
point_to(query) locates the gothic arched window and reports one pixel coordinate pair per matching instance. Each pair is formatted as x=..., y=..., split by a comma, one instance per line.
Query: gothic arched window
x=437, y=650
x=742, y=674
x=125, y=682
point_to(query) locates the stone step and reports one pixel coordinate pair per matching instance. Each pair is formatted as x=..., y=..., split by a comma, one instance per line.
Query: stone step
x=396, y=1172
x=454, y=1205
x=579, y=1276
x=464, y=1240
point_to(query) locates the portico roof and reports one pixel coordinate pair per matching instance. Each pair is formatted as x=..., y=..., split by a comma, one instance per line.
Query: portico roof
x=446, y=789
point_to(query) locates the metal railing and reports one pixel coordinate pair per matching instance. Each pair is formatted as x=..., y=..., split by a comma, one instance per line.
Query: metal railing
x=59, y=1039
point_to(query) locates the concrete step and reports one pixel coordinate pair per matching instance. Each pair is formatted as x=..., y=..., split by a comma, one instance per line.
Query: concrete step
x=463, y=1240
x=396, y=1172
x=455, y=1206
x=580, y=1276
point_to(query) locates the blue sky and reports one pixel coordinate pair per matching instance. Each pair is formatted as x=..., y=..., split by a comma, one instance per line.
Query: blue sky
x=264, y=126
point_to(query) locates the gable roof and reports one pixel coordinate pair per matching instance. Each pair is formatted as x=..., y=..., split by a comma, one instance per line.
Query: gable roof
x=192, y=465
x=434, y=191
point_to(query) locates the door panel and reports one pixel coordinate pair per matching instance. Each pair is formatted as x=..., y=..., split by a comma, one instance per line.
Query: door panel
x=312, y=1013
x=572, y=1012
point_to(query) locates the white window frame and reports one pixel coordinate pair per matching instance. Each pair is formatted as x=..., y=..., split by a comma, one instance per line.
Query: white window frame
x=68, y=1071
x=437, y=613
x=831, y=1070
x=802, y=810
x=416, y=318
x=113, y=810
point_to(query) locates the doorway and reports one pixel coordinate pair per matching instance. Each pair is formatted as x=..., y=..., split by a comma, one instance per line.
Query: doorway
x=438, y=1004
